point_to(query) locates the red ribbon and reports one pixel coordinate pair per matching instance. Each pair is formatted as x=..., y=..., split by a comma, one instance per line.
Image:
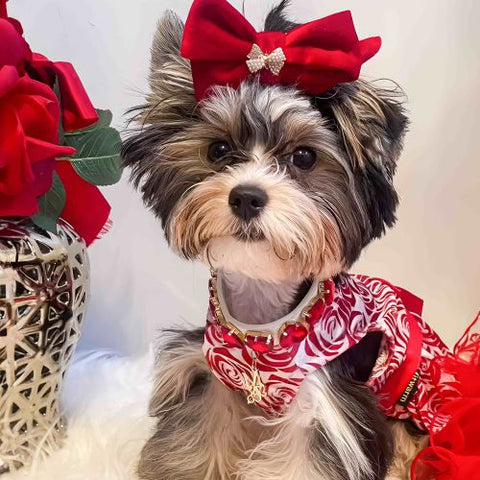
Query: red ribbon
x=86, y=209
x=319, y=54
x=77, y=109
x=395, y=386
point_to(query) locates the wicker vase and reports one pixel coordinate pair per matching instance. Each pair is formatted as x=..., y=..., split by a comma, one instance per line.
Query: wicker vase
x=44, y=281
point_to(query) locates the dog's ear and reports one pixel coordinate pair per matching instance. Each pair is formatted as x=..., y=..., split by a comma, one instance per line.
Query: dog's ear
x=167, y=40
x=170, y=78
x=371, y=124
x=168, y=107
x=277, y=21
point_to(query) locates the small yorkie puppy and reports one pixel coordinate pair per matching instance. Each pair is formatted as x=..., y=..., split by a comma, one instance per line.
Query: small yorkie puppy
x=276, y=177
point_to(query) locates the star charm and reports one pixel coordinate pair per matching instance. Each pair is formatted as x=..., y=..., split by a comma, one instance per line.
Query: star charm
x=255, y=387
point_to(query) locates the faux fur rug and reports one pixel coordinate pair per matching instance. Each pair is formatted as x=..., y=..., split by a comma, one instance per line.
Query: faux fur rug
x=105, y=402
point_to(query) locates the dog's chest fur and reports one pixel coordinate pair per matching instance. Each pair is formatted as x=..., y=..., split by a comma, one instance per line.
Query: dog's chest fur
x=256, y=301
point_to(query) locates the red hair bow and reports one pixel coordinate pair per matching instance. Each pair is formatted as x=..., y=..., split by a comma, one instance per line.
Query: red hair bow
x=224, y=49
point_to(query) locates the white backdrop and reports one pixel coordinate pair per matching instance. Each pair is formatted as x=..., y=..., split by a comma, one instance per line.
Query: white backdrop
x=431, y=47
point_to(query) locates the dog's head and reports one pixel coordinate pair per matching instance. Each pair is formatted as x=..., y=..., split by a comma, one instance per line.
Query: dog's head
x=265, y=180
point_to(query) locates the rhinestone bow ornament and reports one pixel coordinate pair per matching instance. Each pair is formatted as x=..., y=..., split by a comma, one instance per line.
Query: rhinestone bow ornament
x=257, y=60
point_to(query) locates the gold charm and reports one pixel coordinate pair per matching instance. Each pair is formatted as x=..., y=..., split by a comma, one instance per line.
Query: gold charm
x=254, y=385
x=257, y=60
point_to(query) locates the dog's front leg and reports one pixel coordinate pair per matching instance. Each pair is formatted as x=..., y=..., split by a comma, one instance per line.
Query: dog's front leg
x=202, y=429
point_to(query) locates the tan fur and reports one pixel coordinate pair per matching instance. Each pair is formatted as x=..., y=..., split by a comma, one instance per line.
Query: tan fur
x=197, y=438
x=407, y=446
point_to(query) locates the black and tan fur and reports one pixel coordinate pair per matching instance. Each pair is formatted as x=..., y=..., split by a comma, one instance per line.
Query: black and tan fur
x=315, y=225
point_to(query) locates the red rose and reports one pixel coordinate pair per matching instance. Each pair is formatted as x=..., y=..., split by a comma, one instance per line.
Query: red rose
x=15, y=49
x=29, y=121
x=30, y=117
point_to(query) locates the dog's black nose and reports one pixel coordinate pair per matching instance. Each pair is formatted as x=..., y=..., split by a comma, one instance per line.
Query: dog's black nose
x=247, y=201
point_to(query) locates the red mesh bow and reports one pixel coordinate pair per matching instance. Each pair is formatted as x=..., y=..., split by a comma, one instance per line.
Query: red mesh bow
x=224, y=49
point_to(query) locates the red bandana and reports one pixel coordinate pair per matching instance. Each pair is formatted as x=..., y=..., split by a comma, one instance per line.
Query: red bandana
x=416, y=376
x=224, y=49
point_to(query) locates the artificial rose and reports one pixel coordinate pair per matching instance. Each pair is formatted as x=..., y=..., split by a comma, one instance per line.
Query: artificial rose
x=14, y=49
x=29, y=122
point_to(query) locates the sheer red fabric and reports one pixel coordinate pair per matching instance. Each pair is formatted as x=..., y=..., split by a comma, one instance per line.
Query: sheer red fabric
x=454, y=450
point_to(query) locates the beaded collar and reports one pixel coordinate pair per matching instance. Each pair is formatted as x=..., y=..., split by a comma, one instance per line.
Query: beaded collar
x=269, y=362
x=289, y=330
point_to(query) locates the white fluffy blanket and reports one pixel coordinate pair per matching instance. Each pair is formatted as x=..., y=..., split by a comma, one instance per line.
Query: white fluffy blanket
x=105, y=403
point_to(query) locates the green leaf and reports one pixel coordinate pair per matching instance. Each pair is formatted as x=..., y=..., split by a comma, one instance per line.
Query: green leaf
x=51, y=206
x=98, y=151
x=104, y=120
x=98, y=155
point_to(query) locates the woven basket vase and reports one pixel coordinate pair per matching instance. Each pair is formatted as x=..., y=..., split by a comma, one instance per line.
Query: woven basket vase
x=44, y=280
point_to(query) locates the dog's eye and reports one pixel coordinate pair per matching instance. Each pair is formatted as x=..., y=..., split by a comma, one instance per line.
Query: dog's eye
x=218, y=150
x=304, y=158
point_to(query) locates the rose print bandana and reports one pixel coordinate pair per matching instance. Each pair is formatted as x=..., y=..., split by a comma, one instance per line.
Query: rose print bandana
x=406, y=380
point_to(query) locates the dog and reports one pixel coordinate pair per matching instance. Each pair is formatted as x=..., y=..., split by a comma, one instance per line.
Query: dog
x=273, y=189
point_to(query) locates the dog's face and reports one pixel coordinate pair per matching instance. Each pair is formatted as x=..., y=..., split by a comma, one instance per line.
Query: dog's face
x=264, y=180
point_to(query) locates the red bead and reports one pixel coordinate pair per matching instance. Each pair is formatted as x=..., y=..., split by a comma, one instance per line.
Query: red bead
x=230, y=337
x=259, y=344
x=329, y=286
x=316, y=312
x=292, y=334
